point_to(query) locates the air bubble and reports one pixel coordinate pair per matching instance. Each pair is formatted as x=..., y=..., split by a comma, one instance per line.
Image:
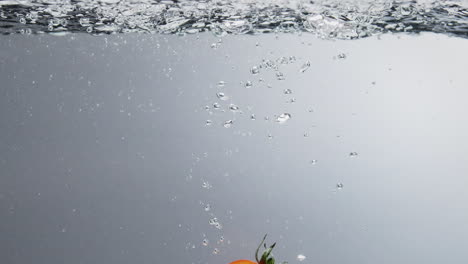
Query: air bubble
x=304, y=67
x=283, y=118
x=280, y=76
x=301, y=257
x=339, y=186
x=255, y=70
x=228, y=123
x=222, y=96
x=234, y=108
x=248, y=84
x=214, y=222
x=206, y=185
x=353, y=154
x=287, y=91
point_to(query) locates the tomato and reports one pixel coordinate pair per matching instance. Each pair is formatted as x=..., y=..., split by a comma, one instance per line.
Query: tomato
x=266, y=257
x=243, y=261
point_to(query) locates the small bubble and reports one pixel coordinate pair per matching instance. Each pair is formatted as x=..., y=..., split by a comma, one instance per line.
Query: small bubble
x=248, y=84
x=353, y=154
x=283, y=118
x=339, y=186
x=313, y=162
x=205, y=242
x=222, y=96
x=215, y=251
x=270, y=136
x=280, y=76
x=287, y=91
x=207, y=207
x=214, y=45
x=206, y=185
x=221, y=83
x=214, y=222
x=306, y=134
x=341, y=56
x=283, y=60
x=216, y=106
x=304, y=67
x=209, y=122
x=228, y=123
x=84, y=21
x=301, y=257
x=255, y=70
x=221, y=239
x=252, y=117
x=234, y=108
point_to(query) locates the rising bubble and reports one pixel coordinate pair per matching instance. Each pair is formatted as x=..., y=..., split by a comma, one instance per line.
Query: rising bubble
x=283, y=118
x=255, y=70
x=228, y=123
x=305, y=66
x=222, y=96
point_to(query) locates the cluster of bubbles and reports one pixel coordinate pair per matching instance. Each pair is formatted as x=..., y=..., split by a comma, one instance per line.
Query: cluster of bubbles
x=327, y=18
x=225, y=102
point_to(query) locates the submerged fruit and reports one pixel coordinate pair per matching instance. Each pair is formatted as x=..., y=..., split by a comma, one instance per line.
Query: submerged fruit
x=243, y=261
x=266, y=258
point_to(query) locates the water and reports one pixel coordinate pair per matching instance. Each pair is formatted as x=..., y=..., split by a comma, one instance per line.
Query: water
x=338, y=128
x=325, y=18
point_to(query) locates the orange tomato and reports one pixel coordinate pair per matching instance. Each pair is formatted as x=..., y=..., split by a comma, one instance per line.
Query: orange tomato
x=265, y=258
x=243, y=261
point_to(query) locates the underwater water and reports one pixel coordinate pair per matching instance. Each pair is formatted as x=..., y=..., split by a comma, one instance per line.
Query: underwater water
x=183, y=131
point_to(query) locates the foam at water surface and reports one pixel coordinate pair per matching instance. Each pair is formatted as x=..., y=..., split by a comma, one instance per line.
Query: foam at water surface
x=326, y=18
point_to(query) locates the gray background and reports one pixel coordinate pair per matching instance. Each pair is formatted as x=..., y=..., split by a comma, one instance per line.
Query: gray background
x=104, y=149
